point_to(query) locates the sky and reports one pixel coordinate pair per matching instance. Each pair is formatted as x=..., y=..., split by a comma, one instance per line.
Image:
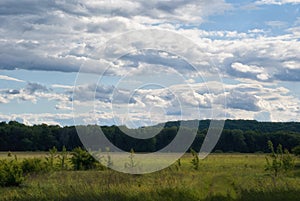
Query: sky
x=139, y=63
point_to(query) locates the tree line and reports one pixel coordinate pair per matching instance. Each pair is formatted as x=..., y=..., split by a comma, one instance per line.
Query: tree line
x=245, y=136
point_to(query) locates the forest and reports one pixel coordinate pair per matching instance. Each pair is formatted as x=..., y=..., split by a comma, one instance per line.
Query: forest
x=243, y=136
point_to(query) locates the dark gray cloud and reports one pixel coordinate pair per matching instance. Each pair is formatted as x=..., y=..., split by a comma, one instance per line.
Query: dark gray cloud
x=35, y=87
x=157, y=57
x=243, y=101
x=24, y=7
x=102, y=93
x=289, y=75
x=12, y=91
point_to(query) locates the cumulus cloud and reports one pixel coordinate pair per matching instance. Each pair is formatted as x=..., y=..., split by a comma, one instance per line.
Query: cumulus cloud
x=292, y=65
x=259, y=72
x=66, y=35
x=60, y=35
x=32, y=92
x=102, y=93
x=244, y=100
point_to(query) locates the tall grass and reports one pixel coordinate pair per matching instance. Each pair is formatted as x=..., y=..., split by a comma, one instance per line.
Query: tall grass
x=219, y=177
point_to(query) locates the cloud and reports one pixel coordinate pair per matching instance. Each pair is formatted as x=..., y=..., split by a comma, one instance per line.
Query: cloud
x=157, y=57
x=276, y=24
x=32, y=92
x=259, y=72
x=60, y=35
x=66, y=35
x=62, y=86
x=292, y=65
x=4, y=77
x=12, y=91
x=295, y=31
x=292, y=75
x=276, y=2
x=247, y=69
x=102, y=93
x=34, y=87
x=243, y=101
x=3, y=99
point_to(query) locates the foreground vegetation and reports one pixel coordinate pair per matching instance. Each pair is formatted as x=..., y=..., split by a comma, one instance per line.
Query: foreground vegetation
x=218, y=177
x=63, y=175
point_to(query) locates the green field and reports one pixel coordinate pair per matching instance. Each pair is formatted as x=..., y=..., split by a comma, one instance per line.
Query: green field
x=220, y=177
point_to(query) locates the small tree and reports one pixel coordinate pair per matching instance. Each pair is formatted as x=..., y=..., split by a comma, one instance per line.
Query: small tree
x=281, y=160
x=50, y=158
x=63, y=158
x=195, y=161
x=11, y=173
x=131, y=164
x=82, y=160
x=288, y=161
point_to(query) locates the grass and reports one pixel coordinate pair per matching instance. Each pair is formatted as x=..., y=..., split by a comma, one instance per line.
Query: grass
x=221, y=177
x=22, y=155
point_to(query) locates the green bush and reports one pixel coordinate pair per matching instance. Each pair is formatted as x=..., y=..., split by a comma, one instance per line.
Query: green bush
x=63, y=156
x=296, y=150
x=50, y=158
x=34, y=165
x=82, y=160
x=11, y=173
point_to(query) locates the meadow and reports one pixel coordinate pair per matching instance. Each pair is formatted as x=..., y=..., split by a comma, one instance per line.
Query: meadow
x=219, y=177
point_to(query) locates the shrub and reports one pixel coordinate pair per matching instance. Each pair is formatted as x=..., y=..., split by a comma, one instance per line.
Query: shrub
x=11, y=173
x=195, y=161
x=132, y=165
x=63, y=158
x=50, y=158
x=281, y=160
x=296, y=150
x=82, y=160
x=34, y=165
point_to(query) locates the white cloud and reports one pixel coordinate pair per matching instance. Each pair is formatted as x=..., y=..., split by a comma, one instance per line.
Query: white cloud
x=263, y=76
x=256, y=31
x=276, y=24
x=70, y=34
x=247, y=68
x=295, y=31
x=59, y=36
x=293, y=65
x=3, y=99
x=62, y=86
x=4, y=77
x=252, y=69
x=244, y=100
x=277, y=2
